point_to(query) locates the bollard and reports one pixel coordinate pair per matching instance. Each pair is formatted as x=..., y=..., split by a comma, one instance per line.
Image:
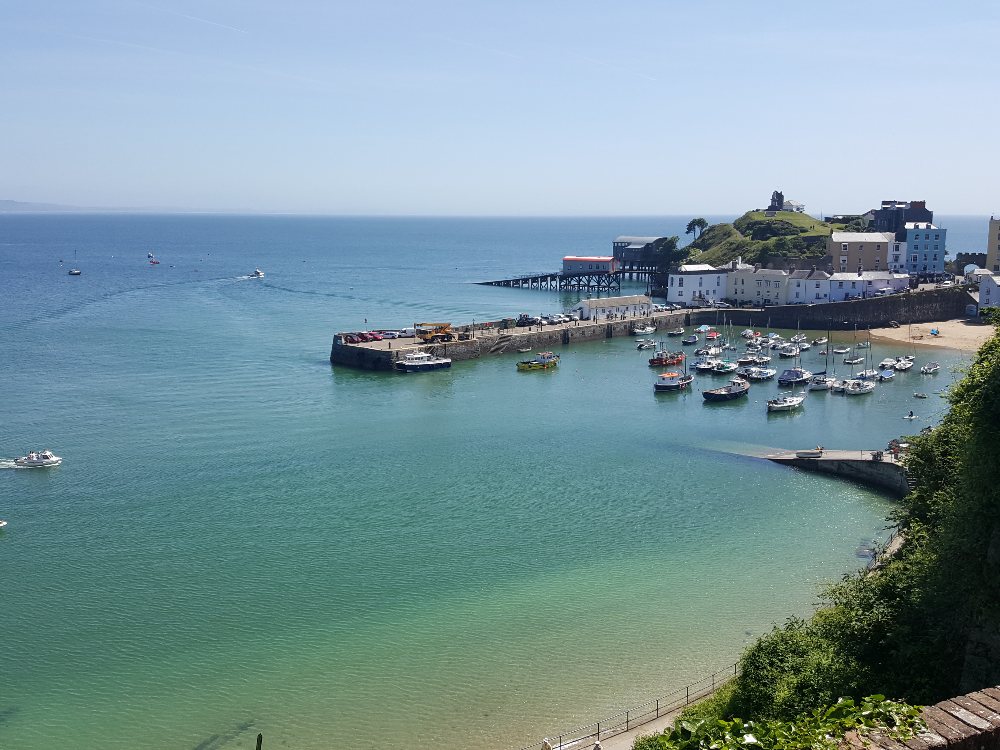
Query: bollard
x=260, y=740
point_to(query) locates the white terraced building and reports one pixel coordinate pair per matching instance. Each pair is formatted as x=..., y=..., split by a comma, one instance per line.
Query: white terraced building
x=989, y=291
x=844, y=286
x=699, y=283
x=606, y=308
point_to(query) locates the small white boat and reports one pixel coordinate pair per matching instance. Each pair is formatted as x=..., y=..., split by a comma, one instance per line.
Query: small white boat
x=725, y=366
x=421, y=361
x=789, y=350
x=841, y=349
x=749, y=333
x=820, y=341
x=820, y=383
x=903, y=364
x=2, y=524
x=930, y=368
x=859, y=387
x=706, y=365
x=838, y=386
x=758, y=374
x=762, y=359
x=257, y=274
x=887, y=374
x=798, y=338
x=74, y=272
x=919, y=395
x=853, y=360
x=785, y=403
x=864, y=345
x=643, y=330
x=646, y=344
x=867, y=375
x=804, y=345
x=887, y=362
x=676, y=331
x=37, y=460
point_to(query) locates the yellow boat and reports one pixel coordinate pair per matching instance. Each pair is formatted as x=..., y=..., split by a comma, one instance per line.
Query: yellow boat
x=544, y=361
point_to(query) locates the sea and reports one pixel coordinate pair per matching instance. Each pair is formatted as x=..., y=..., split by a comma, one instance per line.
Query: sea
x=244, y=539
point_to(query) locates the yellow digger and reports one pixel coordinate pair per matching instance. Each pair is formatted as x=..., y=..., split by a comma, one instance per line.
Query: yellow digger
x=433, y=333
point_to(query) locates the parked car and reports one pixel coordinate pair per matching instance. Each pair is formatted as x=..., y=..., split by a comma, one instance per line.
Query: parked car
x=389, y=334
x=352, y=339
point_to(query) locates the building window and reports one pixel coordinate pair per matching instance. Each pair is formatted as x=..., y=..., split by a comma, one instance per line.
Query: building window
x=758, y=292
x=927, y=236
x=937, y=236
x=671, y=281
x=925, y=256
x=796, y=294
x=758, y=281
x=895, y=258
x=935, y=256
x=817, y=295
x=680, y=281
x=718, y=280
x=843, y=247
x=869, y=282
x=817, y=285
x=742, y=282
x=854, y=285
x=913, y=258
x=699, y=281
x=840, y=284
x=935, y=247
x=798, y=283
x=878, y=248
x=680, y=294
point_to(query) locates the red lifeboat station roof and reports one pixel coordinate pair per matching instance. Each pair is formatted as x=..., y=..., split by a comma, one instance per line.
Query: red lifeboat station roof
x=591, y=258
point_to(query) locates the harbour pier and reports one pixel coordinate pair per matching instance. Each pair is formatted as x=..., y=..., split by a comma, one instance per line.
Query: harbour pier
x=879, y=468
x=490, y=338
x=598, y=283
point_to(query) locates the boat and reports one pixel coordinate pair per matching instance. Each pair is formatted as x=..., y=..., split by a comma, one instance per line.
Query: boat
x=154, y=262
x=762, y=359
x=887, y=362
x=74, y=272
x=812, y=453
x=706, y=365
x=867, y=375
x=838, y=386
x=853, y=360
x=672, y=381
x=886, y=374
x=841, y=349
x=257, y=274
x=643, y=330
x=745, y=360
x=804, y=345
x=664, y=358
x=785, y=403
x=737, y=387
x=543, y=361
x=794, y=376
x=859, y=387
x=798, y=338
x=37, y=460
x=919, y=395
x=725, y=366
x=2, y=524
x=820, y=341
x=760, y=374
x=524, y=351
x=677, y=331
x=864, y=345
x=712, y=335
x=789, y=350
x=692, y=339
x=749, y=333
x=421, y=361
x=903, y=364
x=930, y=368
x=645, y=344
x=820, y=382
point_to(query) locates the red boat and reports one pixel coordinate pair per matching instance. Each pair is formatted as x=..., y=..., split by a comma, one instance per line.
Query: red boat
x=154, y=262
x=666, y=358
x=712, y=335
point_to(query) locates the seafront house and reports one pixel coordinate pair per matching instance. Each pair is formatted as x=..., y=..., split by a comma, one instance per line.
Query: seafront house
x=871, y=251
x=993, y=246
x=893, y=216
x=926, y=248
x=578, y=265
x=695, y=284
x=989, y=291
x=860, y=285
x=758, y=286
x=808, y=287
x=609, y=308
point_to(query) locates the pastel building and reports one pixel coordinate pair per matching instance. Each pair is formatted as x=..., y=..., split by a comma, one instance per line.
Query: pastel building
x=993, y=247
x=989, y=291
x=698, y=283
x=760, y=286
x=872, y=251
x=844, y=286
x=925, y=249
x=808, y=287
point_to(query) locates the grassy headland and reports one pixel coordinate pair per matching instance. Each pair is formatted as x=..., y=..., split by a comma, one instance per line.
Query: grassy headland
x=785, y=238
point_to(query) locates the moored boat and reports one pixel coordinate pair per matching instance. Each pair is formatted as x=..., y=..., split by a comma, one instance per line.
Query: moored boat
x=760, y=374
x=867, y=375
x=724, y=366
x=692, y=339
x=706, y=365
x=643, y=330
x=841, y=349
x=794, y=376
x=810, y=453
x=37, y=460
x=887, y=362
x=664, y=358
x=422, y=361
x=737, y=387
x=903, y=364
x=672, y=381
x=543, y=361
x=859, y=387
x=677, y=331
x=785, y=403
x=930, y=368
x=645, y=344
x=838, y=386
x=887, y=374
x=820, y=382
x=789, y=350
x=820, y=341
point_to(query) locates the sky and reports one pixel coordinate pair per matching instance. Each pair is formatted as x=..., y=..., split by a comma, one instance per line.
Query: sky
x=505, y=108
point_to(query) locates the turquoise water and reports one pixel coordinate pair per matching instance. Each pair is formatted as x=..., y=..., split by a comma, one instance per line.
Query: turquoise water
x=243, y=539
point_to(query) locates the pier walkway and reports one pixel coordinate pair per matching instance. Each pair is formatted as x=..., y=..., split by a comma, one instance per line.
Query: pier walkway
x=609, y=283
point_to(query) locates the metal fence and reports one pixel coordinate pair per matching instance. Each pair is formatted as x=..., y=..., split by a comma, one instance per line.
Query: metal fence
x=638, y=715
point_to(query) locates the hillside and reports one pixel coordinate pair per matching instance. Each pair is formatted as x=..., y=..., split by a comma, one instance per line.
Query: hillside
x=756, y=238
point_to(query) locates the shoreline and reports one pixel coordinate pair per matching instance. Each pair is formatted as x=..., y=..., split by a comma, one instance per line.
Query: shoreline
x=959, y=334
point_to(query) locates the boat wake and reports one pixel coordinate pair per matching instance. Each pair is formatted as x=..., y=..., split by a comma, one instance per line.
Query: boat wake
x=8, y=463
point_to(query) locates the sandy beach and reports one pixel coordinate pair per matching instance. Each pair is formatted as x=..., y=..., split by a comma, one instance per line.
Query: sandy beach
x=964, y=334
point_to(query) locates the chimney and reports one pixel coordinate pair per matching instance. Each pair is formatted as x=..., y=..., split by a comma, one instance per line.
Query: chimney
x=756, y=266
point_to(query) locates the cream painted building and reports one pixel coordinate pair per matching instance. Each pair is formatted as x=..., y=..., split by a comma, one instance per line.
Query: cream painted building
x=761, y=286
x=873, y=251
x=993, y=247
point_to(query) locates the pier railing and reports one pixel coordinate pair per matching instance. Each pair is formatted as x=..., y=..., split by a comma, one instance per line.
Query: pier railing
x=636, y=716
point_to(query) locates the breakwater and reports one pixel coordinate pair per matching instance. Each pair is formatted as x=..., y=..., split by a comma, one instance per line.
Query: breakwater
x=877, y=468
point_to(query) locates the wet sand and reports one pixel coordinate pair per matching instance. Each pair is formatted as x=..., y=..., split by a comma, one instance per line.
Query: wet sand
x=963, y=334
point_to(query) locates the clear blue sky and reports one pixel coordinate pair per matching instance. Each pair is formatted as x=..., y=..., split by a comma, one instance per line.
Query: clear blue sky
x=509, y=108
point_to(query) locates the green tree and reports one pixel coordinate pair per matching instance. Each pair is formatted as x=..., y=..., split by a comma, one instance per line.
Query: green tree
x=696, y=227
x=668, y=254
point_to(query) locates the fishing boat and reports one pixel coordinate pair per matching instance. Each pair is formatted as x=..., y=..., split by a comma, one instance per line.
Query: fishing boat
x=820, y=382
x=859, y=387
x=794, y=376
x=692, y=339
x=422, y=361
x=257, y=274
x=542, y=361
x=737, y=387
x=785, y=403
x=37, y=460
x=645, y=344
x=886, y=375
x=672, y=381
x=677, y=331
x=725, y=366
x=820, y=341
x=930, y=368
x=643, y=330
x=664, y=358
x=887, y=362
x=841, y=349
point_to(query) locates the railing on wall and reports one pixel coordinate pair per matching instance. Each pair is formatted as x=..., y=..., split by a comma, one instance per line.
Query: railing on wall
x=638, y=715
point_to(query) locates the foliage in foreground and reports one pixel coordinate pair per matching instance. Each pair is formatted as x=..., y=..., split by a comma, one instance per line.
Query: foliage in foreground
x=820, y=728
x=905, y=629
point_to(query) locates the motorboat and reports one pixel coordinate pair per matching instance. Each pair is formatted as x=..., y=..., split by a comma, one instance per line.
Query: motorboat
x=677, y=331
x=154, y=262
x=930, y=368
x=749, y=333
x=725, y=367
x=37, y=460
x=778, y=343
x=903, y=364
x=841, y=349
x=811, y=453
x=794, y=376
x=712, y=335
x=804, y=345
x=919, y=395
x=543, y=361
x=745, y=360
x=692, y=339
x=838, y=386
x=798, y=338
x=708, y=351
x=820, y=382
x=706, y=365
x=257, y=274
x=74, y=272
x=737, y=387
x=2, y=524
x=853, y=360
x=760, y=374
x=820, y=341
x=422, y=361
x=672, y=381
x=643, y=330
x=645, y=344
x=867, y=375
x=887, y=374
x=789, y=350
x=864, y=345
x=524, y=351
x=785, y=403
x=859, y=387
x=887, y=362
x=663, y=358
x=762, y=359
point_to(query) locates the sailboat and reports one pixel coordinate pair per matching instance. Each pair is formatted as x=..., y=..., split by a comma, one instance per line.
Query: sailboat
x=74, y=271
x=820, y=381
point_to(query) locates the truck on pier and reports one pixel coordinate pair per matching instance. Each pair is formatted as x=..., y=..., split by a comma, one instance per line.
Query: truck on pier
x=433, y=333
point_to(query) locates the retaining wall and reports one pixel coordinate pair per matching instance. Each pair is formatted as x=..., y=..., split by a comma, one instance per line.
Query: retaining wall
x=886, y=474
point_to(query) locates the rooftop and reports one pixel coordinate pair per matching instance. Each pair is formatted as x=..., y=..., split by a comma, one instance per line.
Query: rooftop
x=919, y=225
x=810, y=274
x=636, y=240
x=697, y=268
x=600, y=258
x=863, y=237
x=873, y=275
